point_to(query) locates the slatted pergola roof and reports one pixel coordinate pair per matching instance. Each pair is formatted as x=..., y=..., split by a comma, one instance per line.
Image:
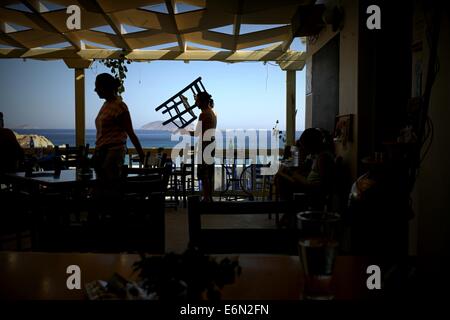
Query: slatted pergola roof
x=154, y=30
x=145, y=30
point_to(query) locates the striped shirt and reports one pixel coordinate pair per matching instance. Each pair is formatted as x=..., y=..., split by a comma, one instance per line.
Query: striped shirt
x=110, y=130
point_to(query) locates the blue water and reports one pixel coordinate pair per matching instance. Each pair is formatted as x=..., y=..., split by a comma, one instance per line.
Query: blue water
x=148, y=138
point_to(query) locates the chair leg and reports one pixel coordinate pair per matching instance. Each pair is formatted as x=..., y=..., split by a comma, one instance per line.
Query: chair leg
x=183, y=190
x=18, y=241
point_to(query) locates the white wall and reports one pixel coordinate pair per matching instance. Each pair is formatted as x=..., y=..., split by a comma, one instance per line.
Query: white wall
x=430, y=229
x=348, y=76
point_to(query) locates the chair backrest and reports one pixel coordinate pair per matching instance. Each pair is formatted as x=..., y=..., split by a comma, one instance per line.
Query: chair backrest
x=118, y=225
x=144, y=224
x=240, y=240
x=131, y=225
x=148, y=174
x=334, y=197
x=73, y=156
x=340, y=188
x=187, y=166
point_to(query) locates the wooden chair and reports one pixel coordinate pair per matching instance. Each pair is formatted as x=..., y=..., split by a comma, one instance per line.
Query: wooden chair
x=140, y=227
x=183, y=177
x=15, y=220
x=140, y=174
x=240, y=240
x=118, y=225
x=336, y=196
x=73, y=156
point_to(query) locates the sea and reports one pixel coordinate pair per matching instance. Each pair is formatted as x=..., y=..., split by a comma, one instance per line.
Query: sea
x=147, y=138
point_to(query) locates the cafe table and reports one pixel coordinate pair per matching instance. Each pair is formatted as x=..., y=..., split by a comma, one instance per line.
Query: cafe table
x=43, y=276
x=67, y=178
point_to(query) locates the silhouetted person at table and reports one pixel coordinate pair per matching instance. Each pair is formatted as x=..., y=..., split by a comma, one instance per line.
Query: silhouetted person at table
x=12, y=152
x=113, y=124
x=315, y=172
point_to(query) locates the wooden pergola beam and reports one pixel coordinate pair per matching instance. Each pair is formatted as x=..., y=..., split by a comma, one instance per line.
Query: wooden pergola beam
x=170, y=4
x=237, y=25
x=202, y=19
x=262, y=37
x=71, y=39
x=26, y=19
x=287, y=43
x=142, y=18
x=5, y=37
x=197, y=3
x=150, y=55
x=113, y=23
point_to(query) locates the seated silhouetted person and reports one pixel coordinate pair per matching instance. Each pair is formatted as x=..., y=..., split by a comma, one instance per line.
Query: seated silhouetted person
x=314, y=174
x=12, y=152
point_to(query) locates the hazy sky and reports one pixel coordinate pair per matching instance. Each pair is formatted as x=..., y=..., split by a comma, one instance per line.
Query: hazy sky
x=40, y=94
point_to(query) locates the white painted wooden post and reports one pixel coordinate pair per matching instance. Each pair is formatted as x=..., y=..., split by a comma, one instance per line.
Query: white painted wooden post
x=79, y=65
x=80, y=121
x=290, y=107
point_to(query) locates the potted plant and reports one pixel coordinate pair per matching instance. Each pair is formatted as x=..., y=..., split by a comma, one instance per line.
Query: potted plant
x=191, y=275
x=118, y=68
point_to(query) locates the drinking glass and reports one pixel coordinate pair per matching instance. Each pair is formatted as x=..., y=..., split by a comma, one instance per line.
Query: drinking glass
x=318, y=248
x=317, y=258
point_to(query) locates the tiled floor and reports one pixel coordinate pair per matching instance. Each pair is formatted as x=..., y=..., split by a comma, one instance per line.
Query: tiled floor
x=177, y=235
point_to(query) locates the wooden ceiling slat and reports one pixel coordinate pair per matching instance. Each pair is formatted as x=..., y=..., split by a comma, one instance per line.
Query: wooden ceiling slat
x=120, y=5
x=103, y=38
x=32, y=6
x=25, y=19
x=89, y=20
x=180, y=38
x=153, y=40
x=277, y=15
x=6, y=39
x=255, y=6
x=251, y=6
x=114, y=24
x=37, y=38
x=212, y=39
x=199, y=20
x=263, y=37
x=197, y=3
x=237, y=24
x=145, y=19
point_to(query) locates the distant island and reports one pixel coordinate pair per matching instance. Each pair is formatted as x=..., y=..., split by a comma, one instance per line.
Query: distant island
x=26, y=127
x=158, y=125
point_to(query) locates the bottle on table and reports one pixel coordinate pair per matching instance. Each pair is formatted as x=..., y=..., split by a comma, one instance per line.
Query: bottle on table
x=295, y=156
x=83, y=162
x=57, y=163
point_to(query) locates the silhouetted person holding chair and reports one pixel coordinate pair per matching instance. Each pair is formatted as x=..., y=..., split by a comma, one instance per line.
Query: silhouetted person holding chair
x=205, y=130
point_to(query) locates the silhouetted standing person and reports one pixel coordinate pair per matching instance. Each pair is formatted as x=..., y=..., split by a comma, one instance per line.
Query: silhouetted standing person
x=113, y=124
